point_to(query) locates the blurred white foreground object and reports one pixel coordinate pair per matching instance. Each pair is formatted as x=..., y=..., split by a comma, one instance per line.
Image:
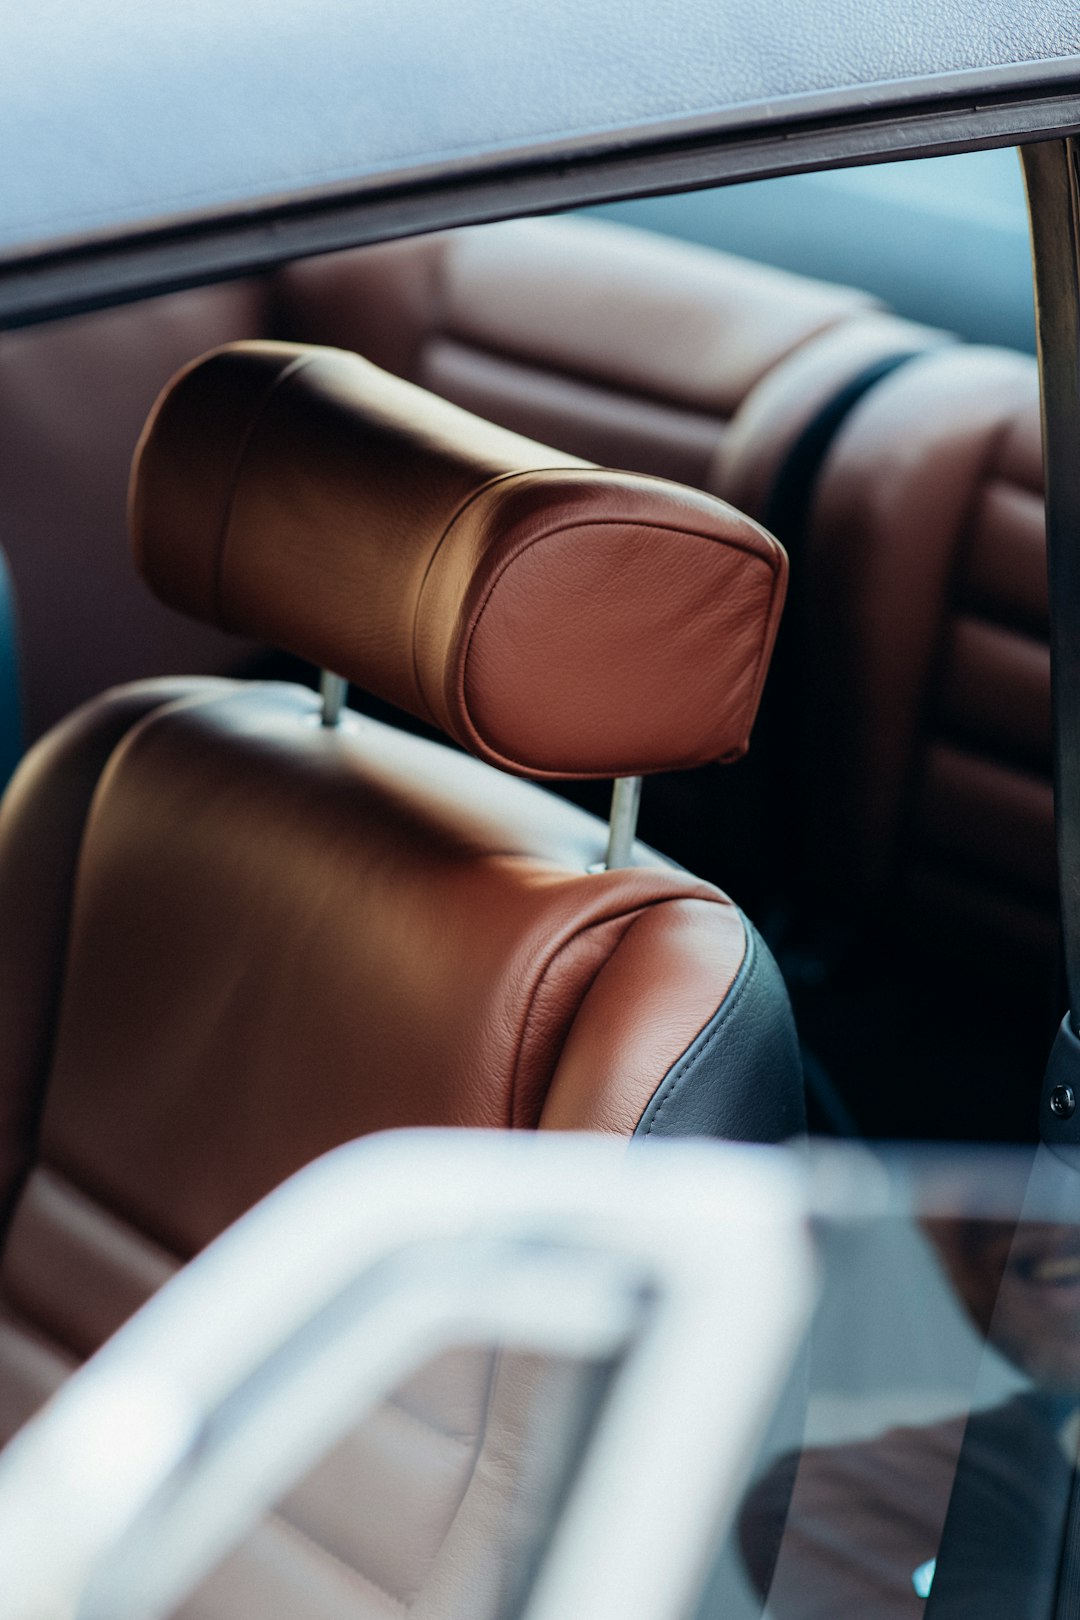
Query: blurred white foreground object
x=683, y=1268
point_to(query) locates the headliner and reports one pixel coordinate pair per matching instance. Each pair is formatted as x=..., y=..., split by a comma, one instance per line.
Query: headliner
x=157, y=146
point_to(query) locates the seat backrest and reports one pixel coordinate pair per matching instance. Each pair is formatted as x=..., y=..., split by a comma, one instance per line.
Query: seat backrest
x=73, y=396
x=613, y=343
x=954, y=800
x=926, y=682
x=249, y=936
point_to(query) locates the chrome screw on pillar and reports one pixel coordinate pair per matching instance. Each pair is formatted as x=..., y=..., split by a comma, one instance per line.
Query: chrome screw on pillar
x=622, y=826
x=334, y=689
x=1063, y=1102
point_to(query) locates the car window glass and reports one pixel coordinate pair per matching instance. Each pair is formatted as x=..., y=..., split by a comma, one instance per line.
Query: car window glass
x=941, y=240
x=923, y=1460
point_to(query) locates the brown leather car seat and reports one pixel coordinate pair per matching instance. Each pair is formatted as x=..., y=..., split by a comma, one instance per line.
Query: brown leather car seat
x=238, y=936
x=927, y=577
x=926, y=797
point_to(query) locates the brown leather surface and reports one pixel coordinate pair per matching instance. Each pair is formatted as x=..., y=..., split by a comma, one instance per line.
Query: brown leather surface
x=895, y=521
x=584, y=298
x=555, y=619
x=924, y=663
x=31, y=1369
x=612, y=343
x=381, y=916
x=74, y=1269
x=41, y=826
x=980, y=812
x=994, y=691
x=314, y=934
x=387, y=1519
x=774, y=413
x=73, y=396
x=594, y=420
x=664, y=968
x=428, y=1503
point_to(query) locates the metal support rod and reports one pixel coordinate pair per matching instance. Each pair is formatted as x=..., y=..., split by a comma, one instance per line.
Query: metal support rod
x=1053, y=189
x=334, y=690
x=622, y=825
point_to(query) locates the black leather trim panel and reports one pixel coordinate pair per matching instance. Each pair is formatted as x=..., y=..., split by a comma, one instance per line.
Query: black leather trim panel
x=741, y=1077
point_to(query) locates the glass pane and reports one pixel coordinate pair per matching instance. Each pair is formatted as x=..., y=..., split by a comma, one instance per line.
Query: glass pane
x=438, y=1502
x=922, y=1461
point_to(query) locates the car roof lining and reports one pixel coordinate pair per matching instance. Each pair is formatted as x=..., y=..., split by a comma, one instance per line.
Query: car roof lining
x=163, y=151
x=76, y=276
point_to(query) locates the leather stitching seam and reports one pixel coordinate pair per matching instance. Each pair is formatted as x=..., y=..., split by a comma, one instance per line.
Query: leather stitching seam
x=459, y=511
x=627, y=918
x=282, y=377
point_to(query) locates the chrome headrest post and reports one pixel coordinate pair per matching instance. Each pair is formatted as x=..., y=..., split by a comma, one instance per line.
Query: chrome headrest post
x=334, y=690
x=622, y=824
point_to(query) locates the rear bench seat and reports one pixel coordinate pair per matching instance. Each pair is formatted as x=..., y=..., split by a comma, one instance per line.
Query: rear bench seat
x=638, y=351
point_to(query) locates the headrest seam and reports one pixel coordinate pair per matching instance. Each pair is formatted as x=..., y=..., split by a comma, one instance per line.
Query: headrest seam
x=294, y=366
x=771, y=557
x=470, y=500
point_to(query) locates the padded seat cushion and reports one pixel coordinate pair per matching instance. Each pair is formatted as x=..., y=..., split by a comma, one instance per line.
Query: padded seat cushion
x=317, y=933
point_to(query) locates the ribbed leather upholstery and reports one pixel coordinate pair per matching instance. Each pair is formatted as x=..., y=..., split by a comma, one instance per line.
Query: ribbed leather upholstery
x=393, y=1519
x=928, y=749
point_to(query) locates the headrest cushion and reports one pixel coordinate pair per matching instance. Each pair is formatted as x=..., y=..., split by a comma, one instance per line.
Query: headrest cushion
x=555, y=619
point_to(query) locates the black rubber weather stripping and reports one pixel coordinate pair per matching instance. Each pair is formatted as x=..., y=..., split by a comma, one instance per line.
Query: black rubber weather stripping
x=788, y=509
x=1052, y=172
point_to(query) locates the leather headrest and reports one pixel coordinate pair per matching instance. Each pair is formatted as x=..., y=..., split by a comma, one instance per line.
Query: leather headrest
x=555, y=619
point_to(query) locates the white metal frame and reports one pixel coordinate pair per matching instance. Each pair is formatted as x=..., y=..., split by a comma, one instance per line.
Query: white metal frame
x=686, y=1265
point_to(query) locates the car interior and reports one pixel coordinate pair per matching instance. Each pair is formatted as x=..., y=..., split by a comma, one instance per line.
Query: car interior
x=517, y=485
x=890, y=831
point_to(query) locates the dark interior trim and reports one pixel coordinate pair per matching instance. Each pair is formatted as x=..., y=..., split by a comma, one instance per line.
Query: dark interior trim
x=1052, y=174
x=77, y=276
